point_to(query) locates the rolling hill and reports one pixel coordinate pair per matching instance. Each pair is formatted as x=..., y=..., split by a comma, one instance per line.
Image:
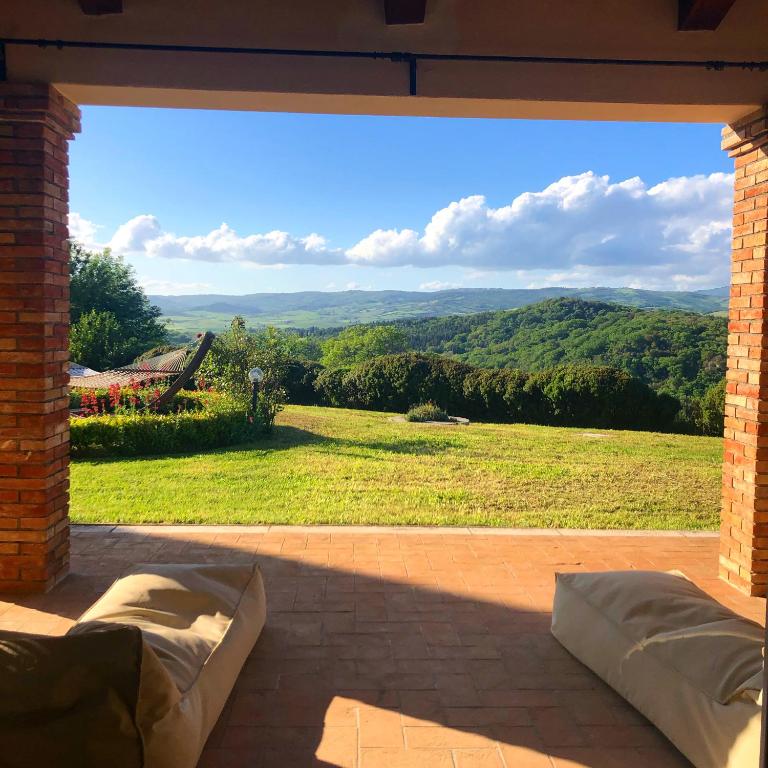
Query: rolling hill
x=187, y=315
x=673, y=350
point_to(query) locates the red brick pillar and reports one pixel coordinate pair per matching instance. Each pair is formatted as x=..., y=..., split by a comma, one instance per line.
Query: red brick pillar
x=36, y=123
x=744, y=529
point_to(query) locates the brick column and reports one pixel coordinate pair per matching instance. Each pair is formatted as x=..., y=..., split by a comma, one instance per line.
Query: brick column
x=744, y=521
x=36, y=123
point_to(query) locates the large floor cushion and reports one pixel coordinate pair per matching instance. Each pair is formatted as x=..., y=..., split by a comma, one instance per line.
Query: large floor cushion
x=690, y=665
x=198, y=623
x=140, y=680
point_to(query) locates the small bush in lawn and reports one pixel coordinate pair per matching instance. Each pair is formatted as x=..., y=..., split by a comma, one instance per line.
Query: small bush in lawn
x=426, y=412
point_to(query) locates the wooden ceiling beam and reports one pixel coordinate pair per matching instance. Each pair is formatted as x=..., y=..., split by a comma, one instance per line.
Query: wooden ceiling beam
x=405, y=11
x=100, y=7
x=694, y=15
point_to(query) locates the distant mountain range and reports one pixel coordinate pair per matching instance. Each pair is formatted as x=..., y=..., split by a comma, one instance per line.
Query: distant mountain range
x=187, y=315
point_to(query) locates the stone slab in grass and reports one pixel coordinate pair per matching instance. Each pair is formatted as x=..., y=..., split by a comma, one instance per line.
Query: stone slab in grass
x=453, y=421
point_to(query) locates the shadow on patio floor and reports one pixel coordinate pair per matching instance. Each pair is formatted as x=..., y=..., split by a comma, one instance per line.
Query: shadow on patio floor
x=397, y=649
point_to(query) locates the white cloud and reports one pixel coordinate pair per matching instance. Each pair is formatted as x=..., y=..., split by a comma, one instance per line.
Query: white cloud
x=143, y=234
x=438, y=285
x=171, y=288
x=580, y=229
x=82, y=231
x=578, y=221
x=135, y=234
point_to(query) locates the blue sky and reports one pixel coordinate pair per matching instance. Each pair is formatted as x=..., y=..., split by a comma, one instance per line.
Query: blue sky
x=317, y=202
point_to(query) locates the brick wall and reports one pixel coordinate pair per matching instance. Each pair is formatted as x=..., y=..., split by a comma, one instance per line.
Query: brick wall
x=36, y=123
x=744, y=521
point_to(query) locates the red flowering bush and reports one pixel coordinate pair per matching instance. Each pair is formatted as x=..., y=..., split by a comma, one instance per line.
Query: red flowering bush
x=134, y=397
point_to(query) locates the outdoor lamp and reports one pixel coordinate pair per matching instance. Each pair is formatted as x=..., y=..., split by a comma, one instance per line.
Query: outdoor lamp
x=255, y=375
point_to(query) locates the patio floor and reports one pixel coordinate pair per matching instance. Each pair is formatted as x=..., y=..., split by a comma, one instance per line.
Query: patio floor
x=404, y=647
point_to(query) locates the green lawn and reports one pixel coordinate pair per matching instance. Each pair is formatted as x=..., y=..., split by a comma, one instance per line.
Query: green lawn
x=332, y=466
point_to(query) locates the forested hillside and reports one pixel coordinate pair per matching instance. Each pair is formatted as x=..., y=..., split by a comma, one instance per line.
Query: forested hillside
x=675, y=351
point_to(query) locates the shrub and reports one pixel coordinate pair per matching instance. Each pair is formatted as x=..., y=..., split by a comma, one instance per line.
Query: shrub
x=426, y=412
x=151, y=433
x=330, y=388
x=573, y=395
x=234, y=353
x=496, y=394
x=300, y=379
x=395, y=382
x=602, y=397
x=688, y=418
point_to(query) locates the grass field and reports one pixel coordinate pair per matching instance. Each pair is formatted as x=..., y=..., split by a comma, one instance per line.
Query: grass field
x=334, y=466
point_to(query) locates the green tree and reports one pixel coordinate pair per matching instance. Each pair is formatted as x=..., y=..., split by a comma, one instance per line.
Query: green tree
x=713, y=409
x=96, y=340
x=304, y=347
x=358, y=344
x=103, y=284
x=682, y=353
x=232, y=356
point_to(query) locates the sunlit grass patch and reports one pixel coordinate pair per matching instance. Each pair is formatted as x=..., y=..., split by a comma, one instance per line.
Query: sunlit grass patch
x=334, y=466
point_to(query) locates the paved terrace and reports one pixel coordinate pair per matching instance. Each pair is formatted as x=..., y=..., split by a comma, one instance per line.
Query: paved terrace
x=387, y=648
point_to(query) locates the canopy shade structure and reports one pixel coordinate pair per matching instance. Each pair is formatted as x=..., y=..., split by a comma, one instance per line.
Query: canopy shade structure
x=160, y=367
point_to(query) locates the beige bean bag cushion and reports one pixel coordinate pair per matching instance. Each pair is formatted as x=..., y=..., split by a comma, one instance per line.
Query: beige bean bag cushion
x=140, y=680
x=690, y=665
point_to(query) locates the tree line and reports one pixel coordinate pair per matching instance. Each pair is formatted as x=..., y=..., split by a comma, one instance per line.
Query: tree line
x=579, y=395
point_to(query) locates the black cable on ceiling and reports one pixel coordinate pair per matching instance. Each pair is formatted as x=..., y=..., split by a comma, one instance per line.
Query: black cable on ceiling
x=411, y=58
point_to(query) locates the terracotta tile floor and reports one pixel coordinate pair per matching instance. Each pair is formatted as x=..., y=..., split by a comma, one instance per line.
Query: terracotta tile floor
x=391, y=648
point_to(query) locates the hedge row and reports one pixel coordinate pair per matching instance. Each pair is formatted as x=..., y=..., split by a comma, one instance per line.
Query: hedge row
x=572, y=395
x=152, y=433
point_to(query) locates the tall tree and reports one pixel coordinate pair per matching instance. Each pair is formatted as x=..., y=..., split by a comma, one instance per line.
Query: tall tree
x=357, y=344
x=112, y=318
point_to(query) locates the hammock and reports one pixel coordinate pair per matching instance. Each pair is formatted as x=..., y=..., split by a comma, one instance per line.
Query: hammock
x=161, y=368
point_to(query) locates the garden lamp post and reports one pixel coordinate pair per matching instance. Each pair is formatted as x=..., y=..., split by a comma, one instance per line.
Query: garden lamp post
x=255, y=375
